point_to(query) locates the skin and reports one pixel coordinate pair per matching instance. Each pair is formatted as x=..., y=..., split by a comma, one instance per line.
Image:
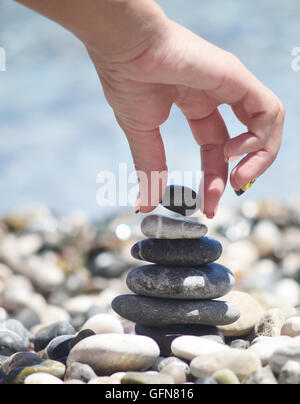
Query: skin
x=146, y=63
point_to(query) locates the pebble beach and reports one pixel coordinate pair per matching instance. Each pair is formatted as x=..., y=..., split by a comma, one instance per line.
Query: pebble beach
x=60, y=275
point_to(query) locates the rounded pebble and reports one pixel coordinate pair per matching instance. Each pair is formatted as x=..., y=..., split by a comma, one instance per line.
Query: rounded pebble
x=104, y=324
x=240, y=362
x=164, y=336
x=190, y=347
x=42, y=378
x=291, y=327
x=111, y=353
x=161, y=312
x=207, y=282
x=166, y=227
x=181, y=200
x=180, y=253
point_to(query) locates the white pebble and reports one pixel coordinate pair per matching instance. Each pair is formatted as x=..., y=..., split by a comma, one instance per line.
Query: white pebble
x=189, y=347
x=42, y=378
x=104, y=324
x=291, y=327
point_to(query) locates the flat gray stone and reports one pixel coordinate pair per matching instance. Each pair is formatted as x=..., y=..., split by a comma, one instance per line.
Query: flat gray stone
x=181, y=200
x=206, y=282
x=179, y=253
x=160, y=312
x=166, y=227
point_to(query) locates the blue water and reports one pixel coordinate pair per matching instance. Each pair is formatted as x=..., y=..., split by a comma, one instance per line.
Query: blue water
x=57, y=131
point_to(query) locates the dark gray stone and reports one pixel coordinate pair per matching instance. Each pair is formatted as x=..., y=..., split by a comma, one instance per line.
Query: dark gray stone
x=164, y=336
x=47, y=334
x=181, y=200
x=59, y=348
x=206, y=282
x=160, y=312
x=179, y=253
x=166, y=227
x=80, y=336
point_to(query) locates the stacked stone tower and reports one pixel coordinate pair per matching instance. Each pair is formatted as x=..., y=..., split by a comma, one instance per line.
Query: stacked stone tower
x=180, y=293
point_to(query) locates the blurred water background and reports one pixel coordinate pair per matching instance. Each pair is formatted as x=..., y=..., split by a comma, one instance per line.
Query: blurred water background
x=57, y=131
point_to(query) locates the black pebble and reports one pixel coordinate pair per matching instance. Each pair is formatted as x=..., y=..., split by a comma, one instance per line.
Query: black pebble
x=181, y=200
x=46, y=335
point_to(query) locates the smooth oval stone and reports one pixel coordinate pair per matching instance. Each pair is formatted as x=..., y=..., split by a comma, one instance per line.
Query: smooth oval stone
x=47, y=334
x=146, y=378
x=181, y=200
x=160, y=312
x=242, y=363
x=291, y=327
x=164, y=336
x=206, y=282
x=166, y=227
x=59, y=348
x=189, y=347
x=110, y=353
x=104, y=324
x=43, y=379
x=179, y=253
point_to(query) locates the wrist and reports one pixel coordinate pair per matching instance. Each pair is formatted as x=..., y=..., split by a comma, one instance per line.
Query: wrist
x=129, y=29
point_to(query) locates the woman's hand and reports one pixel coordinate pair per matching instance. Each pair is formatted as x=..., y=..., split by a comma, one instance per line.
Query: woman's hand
x=147, y=63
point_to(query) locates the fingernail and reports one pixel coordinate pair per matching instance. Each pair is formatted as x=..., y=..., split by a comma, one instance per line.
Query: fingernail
x=244, y=189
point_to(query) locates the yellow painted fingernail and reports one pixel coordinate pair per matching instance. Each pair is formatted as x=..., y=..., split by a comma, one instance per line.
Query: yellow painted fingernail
x=245, y=188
